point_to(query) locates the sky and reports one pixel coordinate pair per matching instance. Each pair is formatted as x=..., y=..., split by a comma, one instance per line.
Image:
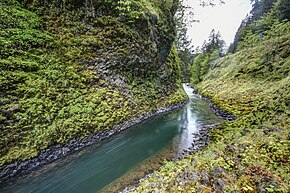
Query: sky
x=225, y=18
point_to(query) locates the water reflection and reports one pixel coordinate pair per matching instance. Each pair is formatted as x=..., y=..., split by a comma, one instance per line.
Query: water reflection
x=187, y=126
x=195, y=114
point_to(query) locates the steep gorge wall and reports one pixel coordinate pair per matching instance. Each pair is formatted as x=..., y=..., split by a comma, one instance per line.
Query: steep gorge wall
x=73, y=68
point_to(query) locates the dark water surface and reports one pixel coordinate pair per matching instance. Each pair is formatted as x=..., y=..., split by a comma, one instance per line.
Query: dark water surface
x=98, y=166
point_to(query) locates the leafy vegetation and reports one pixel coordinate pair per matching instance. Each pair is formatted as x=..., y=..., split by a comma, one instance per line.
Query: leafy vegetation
x=72, y=68
x=265, y=15
x=210, y=51
x=184, y=17
x=251, y=153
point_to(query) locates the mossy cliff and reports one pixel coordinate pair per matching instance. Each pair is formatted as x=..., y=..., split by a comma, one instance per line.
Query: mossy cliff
x=251, y=153
x=72, y=68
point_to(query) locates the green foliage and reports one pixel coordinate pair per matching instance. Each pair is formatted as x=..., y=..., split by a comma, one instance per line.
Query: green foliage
x=186, y=58
x=210, y=51
x=269, y=19
x=251, y=153
x=183, y=18
x=201, y=65
x=276, y=29
x=73, y=68
x=125, y=8
x=196, y=69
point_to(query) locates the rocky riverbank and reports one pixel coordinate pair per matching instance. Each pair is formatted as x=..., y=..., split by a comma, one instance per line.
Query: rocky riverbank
x=225, y=115
x=200, y=140
x=61, y=150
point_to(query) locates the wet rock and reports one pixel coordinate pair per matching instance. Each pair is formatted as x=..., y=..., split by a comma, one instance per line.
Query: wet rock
x=65, y=150
x=217, y=111
x=200, y=140
x=35, y=164
x=128, y=189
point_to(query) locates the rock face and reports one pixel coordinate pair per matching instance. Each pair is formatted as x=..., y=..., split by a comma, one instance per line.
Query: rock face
x=72, y=69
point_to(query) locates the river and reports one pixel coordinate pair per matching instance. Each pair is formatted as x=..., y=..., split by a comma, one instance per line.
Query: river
x=114, y=163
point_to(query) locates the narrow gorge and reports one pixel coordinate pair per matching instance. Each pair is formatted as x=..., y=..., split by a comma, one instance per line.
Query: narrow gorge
x=93, y=98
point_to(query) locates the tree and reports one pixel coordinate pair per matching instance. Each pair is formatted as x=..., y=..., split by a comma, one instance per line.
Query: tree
x=183, y=18
x=260, y=8
x=211, y=50
x=284, y=10
x=215, y=42
x=264, y=16
x=196, y=69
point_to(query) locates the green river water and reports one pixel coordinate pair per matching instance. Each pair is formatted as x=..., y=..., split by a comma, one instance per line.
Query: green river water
x=117, y=162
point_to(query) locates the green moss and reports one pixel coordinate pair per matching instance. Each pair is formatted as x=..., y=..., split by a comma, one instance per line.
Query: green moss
x=53, y=84
x=249, y=154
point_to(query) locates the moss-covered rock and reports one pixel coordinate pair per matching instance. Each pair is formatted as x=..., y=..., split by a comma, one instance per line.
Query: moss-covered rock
x=73, y=68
